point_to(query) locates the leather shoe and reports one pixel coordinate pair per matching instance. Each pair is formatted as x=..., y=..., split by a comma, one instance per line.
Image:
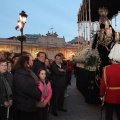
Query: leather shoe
x=55, y=114
x=63, y=110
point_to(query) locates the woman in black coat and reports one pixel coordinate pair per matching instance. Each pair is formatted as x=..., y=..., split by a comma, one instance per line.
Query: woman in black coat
x=25, y=90
x=48, y=71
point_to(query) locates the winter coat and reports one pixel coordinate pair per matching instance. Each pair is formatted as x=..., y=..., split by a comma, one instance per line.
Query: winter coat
x=49, y=91
x=25, y=91
x=37, y=65
x=58, y=77
x=3, y=92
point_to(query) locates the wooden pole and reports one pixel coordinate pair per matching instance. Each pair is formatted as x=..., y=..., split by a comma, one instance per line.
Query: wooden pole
x=86, y=22
x=79, y=31
x=90, y=24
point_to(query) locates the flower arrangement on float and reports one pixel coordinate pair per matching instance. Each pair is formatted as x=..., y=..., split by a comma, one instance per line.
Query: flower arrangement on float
x=87, y=58
x=80, y=56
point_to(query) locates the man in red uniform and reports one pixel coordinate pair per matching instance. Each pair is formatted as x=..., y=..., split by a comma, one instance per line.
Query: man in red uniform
x=70, y=69
x=110, y=84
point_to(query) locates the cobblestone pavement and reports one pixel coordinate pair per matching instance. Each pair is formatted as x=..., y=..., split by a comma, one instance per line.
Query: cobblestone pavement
x=76, y=107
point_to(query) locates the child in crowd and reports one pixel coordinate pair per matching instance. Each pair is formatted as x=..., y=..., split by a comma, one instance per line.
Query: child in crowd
x=45, y=87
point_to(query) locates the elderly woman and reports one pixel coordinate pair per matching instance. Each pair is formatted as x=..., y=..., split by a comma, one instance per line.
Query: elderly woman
x=5, y=91
x=110, y=84
x=25, y=90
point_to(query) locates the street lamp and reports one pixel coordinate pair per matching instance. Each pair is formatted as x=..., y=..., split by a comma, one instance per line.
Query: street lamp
x=20, y=26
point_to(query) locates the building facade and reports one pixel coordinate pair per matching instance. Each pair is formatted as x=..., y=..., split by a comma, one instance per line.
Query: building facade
x=50, y=43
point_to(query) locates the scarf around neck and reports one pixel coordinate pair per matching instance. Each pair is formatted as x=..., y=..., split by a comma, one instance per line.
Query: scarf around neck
x=6, y=86
x=45, y=88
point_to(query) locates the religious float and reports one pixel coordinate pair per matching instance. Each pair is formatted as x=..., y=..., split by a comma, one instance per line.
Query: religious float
x=91, y=59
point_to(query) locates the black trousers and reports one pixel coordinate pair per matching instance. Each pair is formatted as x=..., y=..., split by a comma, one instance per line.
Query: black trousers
x=42, y=113
x=109, y=108
x=22, y=115
x=68, y=78
x=3, y=113
x=57, y=99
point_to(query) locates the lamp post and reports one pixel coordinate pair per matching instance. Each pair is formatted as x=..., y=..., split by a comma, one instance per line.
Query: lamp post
x=20, y=26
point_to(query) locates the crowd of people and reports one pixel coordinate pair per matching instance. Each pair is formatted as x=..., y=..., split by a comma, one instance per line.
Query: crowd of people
x=31, y=88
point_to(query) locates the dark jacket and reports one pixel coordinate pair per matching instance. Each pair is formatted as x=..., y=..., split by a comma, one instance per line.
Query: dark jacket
x=48, y=73
x=3, y=92
x=37, y=65
x=58, y=77
x=9, y=77
x=25, y=91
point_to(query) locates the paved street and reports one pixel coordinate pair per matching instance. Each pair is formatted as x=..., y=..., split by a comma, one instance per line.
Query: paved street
x=76, y=107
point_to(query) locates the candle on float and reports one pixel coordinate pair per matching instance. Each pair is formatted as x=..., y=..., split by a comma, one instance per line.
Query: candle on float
x=91, y=26
x=108, y=33
x=106, y=25
x=111, y=30
x=117, y=36
x=98, y=27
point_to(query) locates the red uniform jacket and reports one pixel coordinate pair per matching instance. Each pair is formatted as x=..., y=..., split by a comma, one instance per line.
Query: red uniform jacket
x=70, y=66
x=112, y=91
